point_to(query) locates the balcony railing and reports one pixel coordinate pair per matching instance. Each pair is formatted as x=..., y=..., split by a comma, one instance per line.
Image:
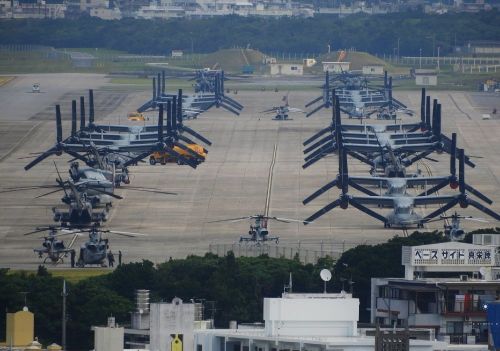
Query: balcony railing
x=463, y=308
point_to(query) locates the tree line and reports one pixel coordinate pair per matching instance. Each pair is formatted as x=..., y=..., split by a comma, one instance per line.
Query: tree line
x=377, y=34
x=236, y=287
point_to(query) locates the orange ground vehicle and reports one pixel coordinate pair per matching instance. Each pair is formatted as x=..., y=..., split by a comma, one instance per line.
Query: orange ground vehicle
x=164, y=157
x=136, y=116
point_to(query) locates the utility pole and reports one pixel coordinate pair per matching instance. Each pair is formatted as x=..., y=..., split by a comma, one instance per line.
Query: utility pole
x=438, y=58
x=398, y=49
x=64, y=294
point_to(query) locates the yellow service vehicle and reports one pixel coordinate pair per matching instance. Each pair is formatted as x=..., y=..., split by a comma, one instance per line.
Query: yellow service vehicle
x=164, y=157
x=136, y=116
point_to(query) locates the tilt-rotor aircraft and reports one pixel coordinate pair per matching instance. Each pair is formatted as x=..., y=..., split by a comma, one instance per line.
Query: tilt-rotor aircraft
x=357, y=99
x=196, y=103
x=386, y=148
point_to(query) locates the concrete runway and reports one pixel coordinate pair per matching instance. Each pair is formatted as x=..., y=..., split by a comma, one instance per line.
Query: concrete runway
x=231, y=183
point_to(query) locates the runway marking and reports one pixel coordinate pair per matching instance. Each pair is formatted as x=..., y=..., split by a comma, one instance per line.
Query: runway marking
x=270, y=181
x=458, y=108
x=20, y=141
x=6, y=79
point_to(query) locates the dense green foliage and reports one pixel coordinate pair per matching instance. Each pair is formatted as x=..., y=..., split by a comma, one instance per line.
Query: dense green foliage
x=375, y=34
x=237, y=286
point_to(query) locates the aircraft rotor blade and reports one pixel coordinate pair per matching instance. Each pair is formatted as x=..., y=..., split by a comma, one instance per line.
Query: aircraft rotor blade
x=478, y=194
x=312, y=102
x=229, y=108
x=367, y=210
x=321, y=212
x=137, y=158
x=174, y=153
x=193, y=153
x=483, y=208
x=40, y=158
x=320, y=191
x=442, y=209
x=435, y=188
x=196, y=135
x=231, y=219
x=317, y=135
x=315, y=110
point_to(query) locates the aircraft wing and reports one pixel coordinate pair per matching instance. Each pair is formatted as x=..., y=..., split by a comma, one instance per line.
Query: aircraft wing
x=396, y=127
x=425, y=180
x=386, y=201
x=415, y=147
x=433, y=200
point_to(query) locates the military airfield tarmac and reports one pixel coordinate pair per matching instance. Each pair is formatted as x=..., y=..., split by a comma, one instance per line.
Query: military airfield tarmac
x=231, y=183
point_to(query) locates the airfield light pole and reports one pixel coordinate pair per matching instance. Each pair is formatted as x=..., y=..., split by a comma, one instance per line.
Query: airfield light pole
x=64, y=294
x=398, y=50
x=438, y=58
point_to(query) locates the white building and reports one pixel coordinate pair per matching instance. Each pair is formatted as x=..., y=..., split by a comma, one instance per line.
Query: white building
x=426, y=77
x=446, y=287
x=373, y=69
x=109, y=338
x=286, y=69
x=311, y=322
x=336, y=67
x=164, y=326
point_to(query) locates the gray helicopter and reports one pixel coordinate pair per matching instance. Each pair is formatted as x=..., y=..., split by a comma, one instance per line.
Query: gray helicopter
x=95, y=250
x=259, y=232
x=281, y=112
x=453, y=230
x=53, y=248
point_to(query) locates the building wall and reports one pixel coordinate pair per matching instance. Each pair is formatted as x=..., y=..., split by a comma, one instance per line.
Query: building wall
x=336, y=67
x=168, y=320
x=108, y=339
x=20, y=328
x=286, y=69
x=372, y=69
x=426, y=80
x=311, y=317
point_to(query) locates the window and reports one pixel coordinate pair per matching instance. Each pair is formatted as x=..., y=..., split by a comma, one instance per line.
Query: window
x=293, y=68
x=454, y=327
x=199, y=347
x=487, y=239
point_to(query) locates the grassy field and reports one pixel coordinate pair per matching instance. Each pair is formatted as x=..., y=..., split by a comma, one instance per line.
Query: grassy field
x=5, y=79
x=72, y=275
